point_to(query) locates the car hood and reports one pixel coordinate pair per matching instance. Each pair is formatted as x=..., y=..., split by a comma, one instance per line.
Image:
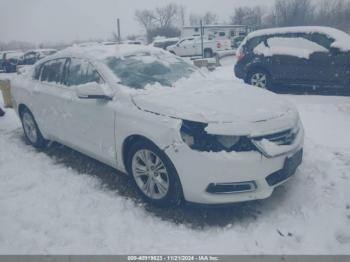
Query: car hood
x=216, y=102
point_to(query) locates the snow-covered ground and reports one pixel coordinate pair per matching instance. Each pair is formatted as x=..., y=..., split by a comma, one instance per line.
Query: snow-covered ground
x=51, y=206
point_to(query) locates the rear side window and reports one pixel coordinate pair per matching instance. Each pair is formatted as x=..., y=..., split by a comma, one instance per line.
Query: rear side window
x=52, y=71
x=252, y=43
x=80, y=72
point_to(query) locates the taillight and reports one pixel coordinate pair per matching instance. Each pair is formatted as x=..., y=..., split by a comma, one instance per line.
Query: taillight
x=240, y=55
x=218, y=45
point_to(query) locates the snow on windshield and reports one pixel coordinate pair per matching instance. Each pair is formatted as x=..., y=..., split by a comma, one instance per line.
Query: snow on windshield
x=139, y=70
x=292, y=46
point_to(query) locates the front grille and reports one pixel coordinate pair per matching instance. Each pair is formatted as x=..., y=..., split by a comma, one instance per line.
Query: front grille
x=281, y=138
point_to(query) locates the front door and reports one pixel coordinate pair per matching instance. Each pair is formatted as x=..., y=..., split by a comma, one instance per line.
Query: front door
x=88, y=124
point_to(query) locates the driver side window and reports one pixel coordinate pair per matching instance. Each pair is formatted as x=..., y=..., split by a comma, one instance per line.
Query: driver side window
x=79, y=72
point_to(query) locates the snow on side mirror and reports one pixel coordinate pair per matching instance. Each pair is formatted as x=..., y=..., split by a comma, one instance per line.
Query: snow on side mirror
x=91, y=90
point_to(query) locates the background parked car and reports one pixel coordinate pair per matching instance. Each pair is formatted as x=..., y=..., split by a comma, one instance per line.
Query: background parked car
x=32, y=56
x=10, y=60
x=1, y=54
x=236, y=41
x=192, y=47
x=317, y=56
x=164, y=42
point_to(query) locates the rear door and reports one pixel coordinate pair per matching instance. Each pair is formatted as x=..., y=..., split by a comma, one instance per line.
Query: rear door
x=47, y=91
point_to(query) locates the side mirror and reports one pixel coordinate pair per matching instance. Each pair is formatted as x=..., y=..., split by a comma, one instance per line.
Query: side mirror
x=177, y=45
x=91, y=91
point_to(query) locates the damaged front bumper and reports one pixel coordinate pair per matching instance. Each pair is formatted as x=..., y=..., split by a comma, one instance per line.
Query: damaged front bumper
x=247, y=174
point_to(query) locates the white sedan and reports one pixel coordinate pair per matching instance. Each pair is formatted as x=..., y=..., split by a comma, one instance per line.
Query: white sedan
x=178, y=133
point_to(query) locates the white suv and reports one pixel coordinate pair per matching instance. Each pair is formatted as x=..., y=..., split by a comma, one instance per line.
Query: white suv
x=179, y=134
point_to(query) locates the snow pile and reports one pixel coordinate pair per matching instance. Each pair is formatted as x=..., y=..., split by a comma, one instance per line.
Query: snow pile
x=298, y=47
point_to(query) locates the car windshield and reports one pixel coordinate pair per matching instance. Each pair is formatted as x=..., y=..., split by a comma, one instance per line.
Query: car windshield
x=139, y=70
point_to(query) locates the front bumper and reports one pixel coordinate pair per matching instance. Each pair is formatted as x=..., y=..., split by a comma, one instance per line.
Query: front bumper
x=197, y=170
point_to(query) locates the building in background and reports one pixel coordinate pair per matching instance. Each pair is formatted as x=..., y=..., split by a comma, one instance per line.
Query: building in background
x=217, y=31
x=235, y=33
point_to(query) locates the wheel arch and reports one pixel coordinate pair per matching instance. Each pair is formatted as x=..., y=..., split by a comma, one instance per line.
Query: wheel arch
x=21, y=108
x=255, y=67
x=128, y=142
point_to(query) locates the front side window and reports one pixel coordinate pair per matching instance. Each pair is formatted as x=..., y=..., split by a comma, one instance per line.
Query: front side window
x=80, y=72
x=139, y=70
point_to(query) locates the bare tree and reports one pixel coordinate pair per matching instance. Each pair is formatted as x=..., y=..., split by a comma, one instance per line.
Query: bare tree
x=182, y=15
x=293, y=12
x=166, y=16
x=146, y=18
x=335, y=13
x=250, y=16
x=161, y=21
x=208, y=18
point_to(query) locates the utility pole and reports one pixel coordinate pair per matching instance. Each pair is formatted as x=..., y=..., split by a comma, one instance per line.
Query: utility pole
x=118, y=26
x=202, y=33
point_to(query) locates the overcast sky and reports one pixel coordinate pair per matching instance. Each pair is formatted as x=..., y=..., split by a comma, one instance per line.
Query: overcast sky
x=67, y=20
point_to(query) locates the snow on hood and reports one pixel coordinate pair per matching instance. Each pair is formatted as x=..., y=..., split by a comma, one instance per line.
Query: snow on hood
x=213, y=101
x=341, y=39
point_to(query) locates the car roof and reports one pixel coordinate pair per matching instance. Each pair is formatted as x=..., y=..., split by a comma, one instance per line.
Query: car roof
x=331, y=32
x=101, y=52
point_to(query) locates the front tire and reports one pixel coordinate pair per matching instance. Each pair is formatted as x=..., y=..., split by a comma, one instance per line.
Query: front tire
x=259, y=78
x=154, y=175
x=31, y=130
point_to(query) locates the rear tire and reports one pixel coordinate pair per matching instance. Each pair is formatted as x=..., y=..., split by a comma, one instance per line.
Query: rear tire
x=153, y=174
x=259, y=78
x=31, y=130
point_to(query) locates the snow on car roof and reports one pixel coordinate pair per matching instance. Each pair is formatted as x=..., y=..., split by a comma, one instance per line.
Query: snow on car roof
x=164, y=40
x=100, y=52
x=342, y=39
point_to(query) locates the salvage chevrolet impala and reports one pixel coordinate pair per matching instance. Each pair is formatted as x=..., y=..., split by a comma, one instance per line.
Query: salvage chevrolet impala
x=179, y=134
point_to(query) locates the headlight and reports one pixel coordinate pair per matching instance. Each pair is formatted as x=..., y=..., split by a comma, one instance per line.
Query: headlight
x=195, y=136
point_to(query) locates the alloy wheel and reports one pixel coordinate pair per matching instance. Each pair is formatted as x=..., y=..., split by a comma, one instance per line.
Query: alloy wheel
x=150, y=174
x=259, y=80
x=29, y=127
